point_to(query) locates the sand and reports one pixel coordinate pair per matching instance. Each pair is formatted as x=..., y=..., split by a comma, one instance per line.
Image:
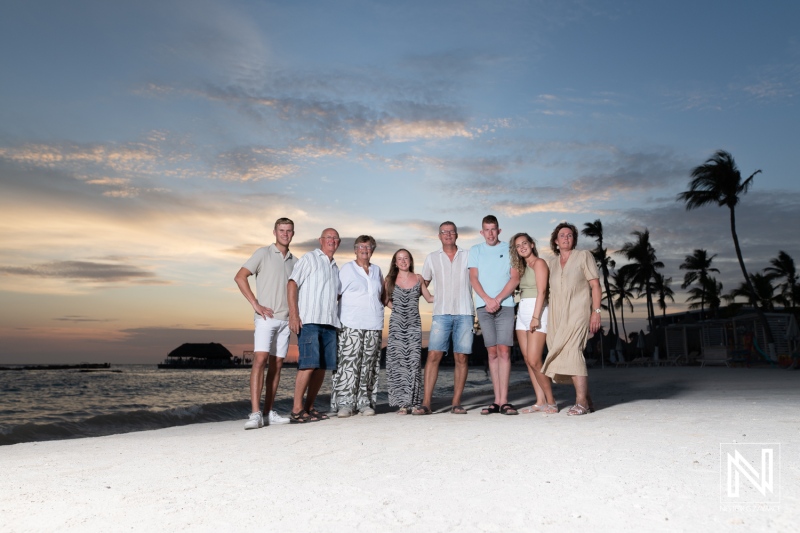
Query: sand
x=647, y=460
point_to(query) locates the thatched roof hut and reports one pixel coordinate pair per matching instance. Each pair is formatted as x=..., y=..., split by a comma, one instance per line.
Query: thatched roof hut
x=201, y=350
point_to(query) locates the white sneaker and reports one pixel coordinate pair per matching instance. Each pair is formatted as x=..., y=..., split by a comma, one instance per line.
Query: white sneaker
x=274, y=418
x=344, y=412
x=254, y=421
x=367, y=411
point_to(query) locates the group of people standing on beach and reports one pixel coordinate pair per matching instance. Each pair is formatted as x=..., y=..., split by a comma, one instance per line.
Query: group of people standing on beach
x=337, y=315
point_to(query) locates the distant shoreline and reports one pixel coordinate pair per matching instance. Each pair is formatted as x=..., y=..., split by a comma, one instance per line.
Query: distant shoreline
x=80, y=366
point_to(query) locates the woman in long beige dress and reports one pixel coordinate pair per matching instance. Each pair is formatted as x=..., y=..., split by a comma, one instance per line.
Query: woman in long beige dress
x=574, y=313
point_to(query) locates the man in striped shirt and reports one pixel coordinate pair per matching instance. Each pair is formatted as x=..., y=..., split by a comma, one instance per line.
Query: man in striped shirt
x=452, y=315
x=312, y=292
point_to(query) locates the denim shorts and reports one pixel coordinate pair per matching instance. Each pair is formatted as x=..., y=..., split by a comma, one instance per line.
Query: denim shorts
x=442, y=326
x=497, y=327
x=317, y=346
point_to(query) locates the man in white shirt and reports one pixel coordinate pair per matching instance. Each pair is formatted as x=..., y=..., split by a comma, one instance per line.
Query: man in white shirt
x=272, y=265
x=313, y=290
x=452, y=316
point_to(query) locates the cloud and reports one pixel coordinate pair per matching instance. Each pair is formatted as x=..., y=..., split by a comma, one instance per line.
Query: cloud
x=85, y=271
x=399, y=131
x=245, y=250
x=346, y=246
x=252, y=164
x=568, y=181
x=80, y=318
x=773, y=83
x=571, y=104
x=515, y=209
x=633, y=171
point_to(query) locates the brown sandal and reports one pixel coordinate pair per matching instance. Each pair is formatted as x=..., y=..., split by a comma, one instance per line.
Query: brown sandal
x=316, y=414
x=301, y=418
x=508, y=409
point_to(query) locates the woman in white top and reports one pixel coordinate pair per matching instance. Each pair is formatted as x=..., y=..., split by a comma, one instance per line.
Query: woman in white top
x=354, y=387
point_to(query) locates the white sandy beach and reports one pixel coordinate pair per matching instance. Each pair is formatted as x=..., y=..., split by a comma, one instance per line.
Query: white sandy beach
x=648, y=459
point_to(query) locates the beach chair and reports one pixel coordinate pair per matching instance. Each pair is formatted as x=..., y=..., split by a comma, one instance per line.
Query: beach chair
x=715, y=355
x=670, y=361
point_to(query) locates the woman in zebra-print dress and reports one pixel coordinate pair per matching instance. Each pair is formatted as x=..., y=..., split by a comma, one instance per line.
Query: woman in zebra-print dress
x=403, y=352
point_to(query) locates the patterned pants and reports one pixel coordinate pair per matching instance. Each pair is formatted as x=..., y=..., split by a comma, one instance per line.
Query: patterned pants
x=355, y=382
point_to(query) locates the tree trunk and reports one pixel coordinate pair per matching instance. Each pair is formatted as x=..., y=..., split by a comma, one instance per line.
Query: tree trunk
x=702, y=301
x=649, y=303
x=612, y=316
x=761, y=315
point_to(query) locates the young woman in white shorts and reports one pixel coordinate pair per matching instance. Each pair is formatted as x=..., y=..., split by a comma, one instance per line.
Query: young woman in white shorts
x=531, y=325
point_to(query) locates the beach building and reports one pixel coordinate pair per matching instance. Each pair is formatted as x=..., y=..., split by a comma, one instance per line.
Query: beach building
x=201, y=355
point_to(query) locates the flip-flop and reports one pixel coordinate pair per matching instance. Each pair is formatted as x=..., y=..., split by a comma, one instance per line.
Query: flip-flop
x=458, y=410
x=492, y=409
x=422, y=410
x=532, y=409
x=404, y=411
x=508, y=409
x=551, y=409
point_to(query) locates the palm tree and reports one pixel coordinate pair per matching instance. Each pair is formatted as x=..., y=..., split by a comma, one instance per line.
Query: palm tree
x=718, y=181
x=698, y=265
x=644, y=268
x=663, y=291
x=594, y=230
x=710, y=292
x=783, y=267
x=765, y=297
x=620, y=292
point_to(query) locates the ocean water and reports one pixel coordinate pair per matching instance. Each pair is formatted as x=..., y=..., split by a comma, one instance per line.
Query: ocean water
x=38, y=405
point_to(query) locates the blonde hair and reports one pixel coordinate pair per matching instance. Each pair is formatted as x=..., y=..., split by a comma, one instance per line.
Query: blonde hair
x=518, y=262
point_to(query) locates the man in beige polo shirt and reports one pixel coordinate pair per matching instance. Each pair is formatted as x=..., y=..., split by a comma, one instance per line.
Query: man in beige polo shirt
x=272, y=265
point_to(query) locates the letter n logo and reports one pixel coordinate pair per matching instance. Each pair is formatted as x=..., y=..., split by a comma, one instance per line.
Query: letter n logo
x=738, y=465
x=748, y=473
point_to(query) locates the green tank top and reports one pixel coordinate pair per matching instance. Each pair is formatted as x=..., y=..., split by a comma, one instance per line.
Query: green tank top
x=527, y=284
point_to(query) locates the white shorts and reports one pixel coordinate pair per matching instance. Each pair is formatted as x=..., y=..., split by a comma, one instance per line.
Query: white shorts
x=525, y=314
x=272, y=336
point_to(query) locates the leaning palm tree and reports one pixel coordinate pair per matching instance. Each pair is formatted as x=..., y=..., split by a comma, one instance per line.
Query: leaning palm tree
x=783, y=267
x=643, y=269
x=621, y=293
x=718, y=181
x=698, y=265
x=663, y=290
x=594, y=230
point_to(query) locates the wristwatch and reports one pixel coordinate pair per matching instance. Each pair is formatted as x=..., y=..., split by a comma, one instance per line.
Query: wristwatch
x=598, y=311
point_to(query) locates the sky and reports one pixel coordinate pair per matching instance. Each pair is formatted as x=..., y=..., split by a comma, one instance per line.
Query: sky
x=146, y=148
